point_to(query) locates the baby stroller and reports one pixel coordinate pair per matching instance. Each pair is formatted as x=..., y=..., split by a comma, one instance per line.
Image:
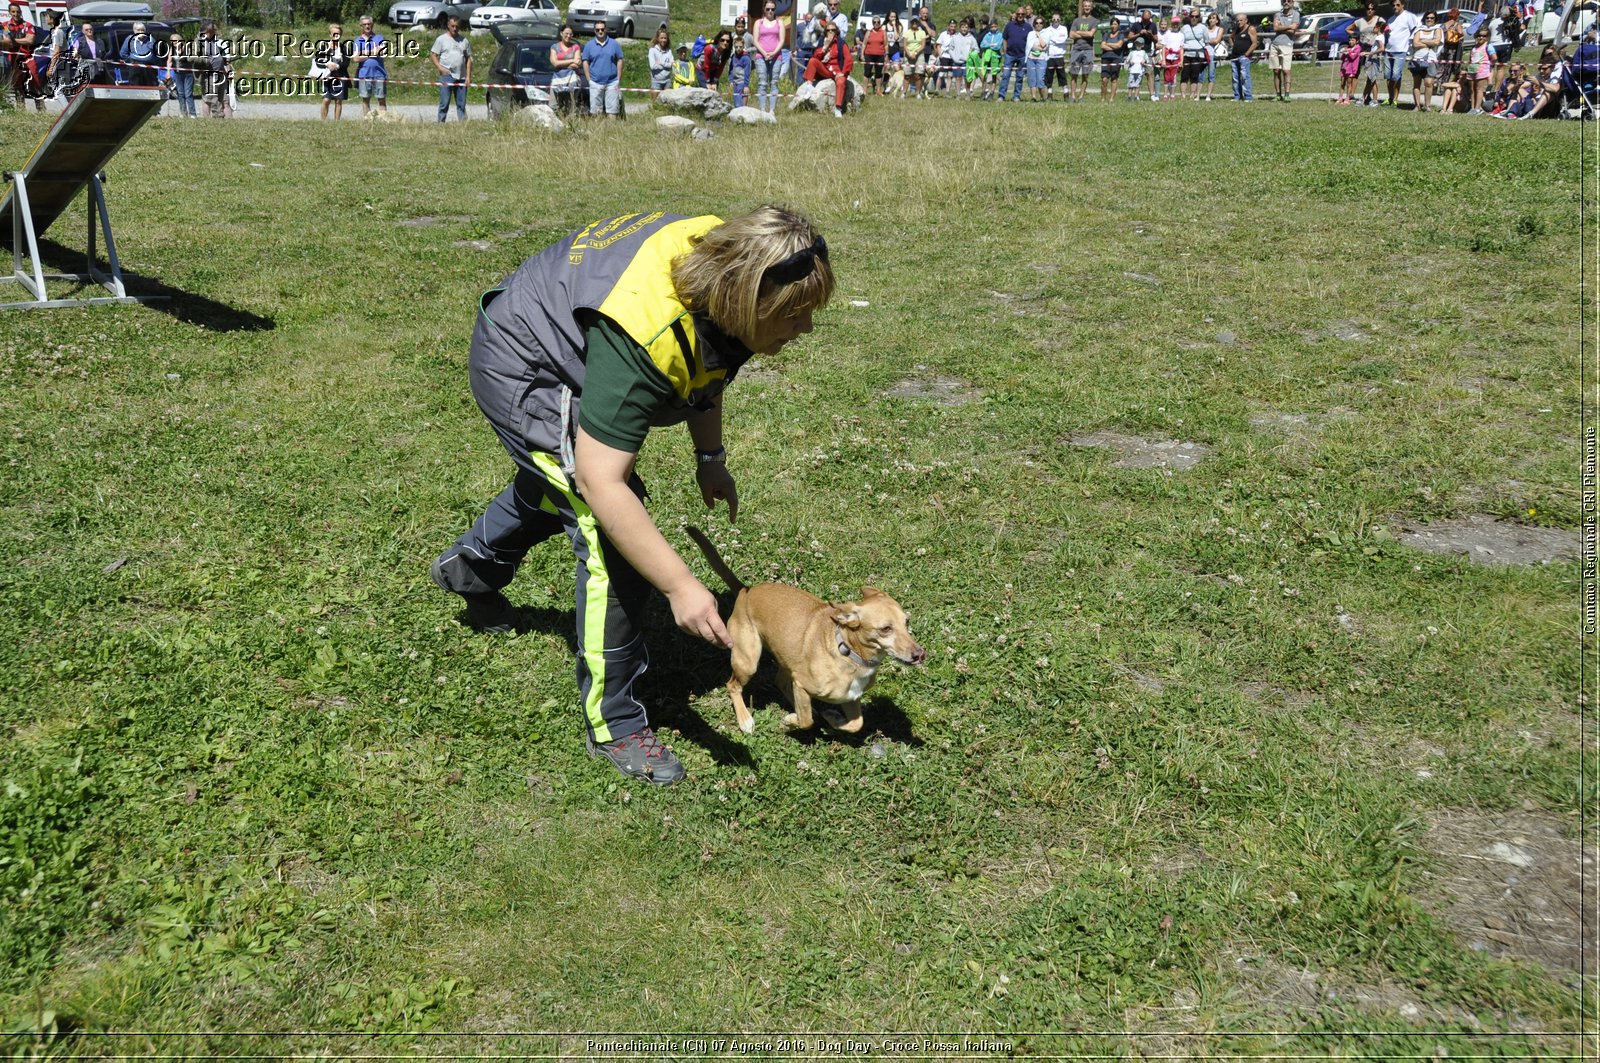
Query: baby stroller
x=1580, y=80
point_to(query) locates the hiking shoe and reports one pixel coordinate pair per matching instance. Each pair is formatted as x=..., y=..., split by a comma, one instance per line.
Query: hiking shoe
x=641, y=755
x=487, y=611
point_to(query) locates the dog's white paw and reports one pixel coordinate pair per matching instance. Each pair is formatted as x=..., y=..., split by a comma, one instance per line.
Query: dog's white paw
x=840, y=722
x=748, y=726
x=790, y=721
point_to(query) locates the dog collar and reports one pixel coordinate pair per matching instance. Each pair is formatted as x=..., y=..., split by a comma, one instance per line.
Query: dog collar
x=845, y=651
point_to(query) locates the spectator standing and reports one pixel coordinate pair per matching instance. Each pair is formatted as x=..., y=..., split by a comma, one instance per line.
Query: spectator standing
x=1280, y=55
x=913, y=45
x=1477, y=70
x=682, y=68
x=371, y=52
x=1058, y=37
x=1402, y=26
x=333, y=59
x=1196, y=40
x=1170, y=54
x=944, y=56
x=714, y=60
x=1216, y=46
x=1241, y=53
x=1455, y=35
x=1505, y=33
x=875, y=54
x=840, y=20
x=60, y=44
x=739, y=68
x=832, y=62
x=1080, y=33
x=963, y=56
x=138, y=52
x=630, y=325
x=770, y=34
x=1138, y=63
x=659, y=60
x=602, y=69
x=1112, y=46
x=1368, y=29
x=566, y=58
x=807, y=39
x=1349, y=70
x=1038, y=60
x=179, y=76
x=990, y=45
x=18, y=37
x=1425, y=69
x=452, y=57
x=213, y=64
x=1014, y=58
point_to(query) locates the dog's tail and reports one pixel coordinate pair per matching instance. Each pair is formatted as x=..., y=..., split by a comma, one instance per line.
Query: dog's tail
x=714, y=559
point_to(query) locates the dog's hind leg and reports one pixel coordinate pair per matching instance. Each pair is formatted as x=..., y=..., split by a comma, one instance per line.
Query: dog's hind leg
x=744, y=658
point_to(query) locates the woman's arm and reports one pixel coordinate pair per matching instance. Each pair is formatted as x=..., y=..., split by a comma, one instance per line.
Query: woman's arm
x=602, y=478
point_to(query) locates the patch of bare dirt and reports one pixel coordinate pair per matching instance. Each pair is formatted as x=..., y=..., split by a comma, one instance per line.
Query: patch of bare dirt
x=1512, y=884
x=1282, y=989
x=941, y=390
x=1488, y=540
x=1136, y=453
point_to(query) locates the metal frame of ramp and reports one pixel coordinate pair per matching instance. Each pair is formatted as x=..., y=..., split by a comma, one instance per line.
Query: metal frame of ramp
x=93, y=128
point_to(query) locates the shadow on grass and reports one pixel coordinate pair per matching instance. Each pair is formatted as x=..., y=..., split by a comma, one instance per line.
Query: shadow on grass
x=684, y=669
x=191, y=308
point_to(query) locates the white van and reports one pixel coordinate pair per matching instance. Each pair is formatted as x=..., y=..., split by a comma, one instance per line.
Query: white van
x=623, y=18
x=871, y=9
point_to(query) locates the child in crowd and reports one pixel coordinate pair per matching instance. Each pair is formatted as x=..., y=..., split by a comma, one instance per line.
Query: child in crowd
x=683, y=68
x=739, y=69
x=1138, y=61
x=1350, y=70
x=989, y=61
x=1452, y=93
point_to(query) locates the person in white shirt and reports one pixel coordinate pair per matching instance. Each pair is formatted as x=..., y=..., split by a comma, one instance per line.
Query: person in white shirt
x=1403, y=25
x=961, y=50
x=1138, y=60
x=1056, y=37
x=945, y=51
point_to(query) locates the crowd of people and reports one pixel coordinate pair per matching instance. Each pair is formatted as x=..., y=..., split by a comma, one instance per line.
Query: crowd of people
x=40, y=62
x=1029, y=57
x=1026, y=57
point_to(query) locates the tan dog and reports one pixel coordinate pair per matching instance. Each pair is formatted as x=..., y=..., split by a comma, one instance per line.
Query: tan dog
x=828, y=653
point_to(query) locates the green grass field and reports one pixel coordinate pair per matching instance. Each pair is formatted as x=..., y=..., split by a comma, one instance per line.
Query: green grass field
x=1204, y=761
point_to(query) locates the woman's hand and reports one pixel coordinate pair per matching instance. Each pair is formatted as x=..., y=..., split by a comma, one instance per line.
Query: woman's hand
x=716, y=482
x=694, y=610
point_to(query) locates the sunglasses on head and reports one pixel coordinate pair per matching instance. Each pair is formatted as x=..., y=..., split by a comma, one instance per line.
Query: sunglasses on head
x=797, y=265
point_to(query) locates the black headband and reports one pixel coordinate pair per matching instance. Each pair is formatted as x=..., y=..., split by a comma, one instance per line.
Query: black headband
x=797, y=265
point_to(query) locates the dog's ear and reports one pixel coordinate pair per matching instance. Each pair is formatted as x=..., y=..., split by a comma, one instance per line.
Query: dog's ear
x=847, y=615
x=870, y=592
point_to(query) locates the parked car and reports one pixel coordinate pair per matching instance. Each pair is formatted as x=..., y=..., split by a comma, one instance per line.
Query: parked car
x=1333, y=36
x=623, y=18
x=430, y=13
x=1307, y=40
x=523, y=60
x=542, y=13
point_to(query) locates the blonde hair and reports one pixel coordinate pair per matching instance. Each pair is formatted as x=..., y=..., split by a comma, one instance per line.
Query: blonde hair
x=723, y=276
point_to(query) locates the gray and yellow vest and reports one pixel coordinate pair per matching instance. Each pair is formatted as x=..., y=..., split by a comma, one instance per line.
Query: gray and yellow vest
x=528, y=348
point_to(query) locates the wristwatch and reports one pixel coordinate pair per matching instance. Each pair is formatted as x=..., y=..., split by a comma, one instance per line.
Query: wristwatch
x=705, y=457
